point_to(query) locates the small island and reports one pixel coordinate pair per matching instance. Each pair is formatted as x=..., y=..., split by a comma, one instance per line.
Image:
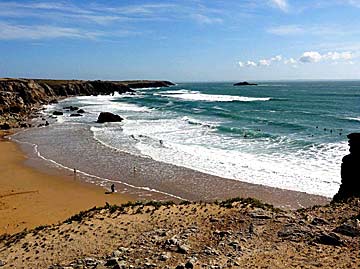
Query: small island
x=244, y=83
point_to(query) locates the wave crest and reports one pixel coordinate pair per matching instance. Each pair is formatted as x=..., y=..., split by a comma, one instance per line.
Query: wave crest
x=195, y=96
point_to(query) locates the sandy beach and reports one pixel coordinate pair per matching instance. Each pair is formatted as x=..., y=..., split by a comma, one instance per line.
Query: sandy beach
x=76, y=145
x=29, y=198
x=34, y=193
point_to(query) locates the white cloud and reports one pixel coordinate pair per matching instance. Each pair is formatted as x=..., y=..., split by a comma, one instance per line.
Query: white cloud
x=250, y=64
x=290, y=61
x=11, y=31
x=264, y=62
x=281, y=4
x=55, y=19
x=310, y=57
x=314, y=56
x=286, y=30
x=306, y=57
x=338, y=56
x=202, y=19
x=277, y=58
x=313, y=30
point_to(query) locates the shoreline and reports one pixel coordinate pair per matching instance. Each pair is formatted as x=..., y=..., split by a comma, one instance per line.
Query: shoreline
x=31, y=198
x=171, y=179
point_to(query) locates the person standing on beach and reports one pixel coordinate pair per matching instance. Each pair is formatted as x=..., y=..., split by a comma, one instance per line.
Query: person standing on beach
x=113, y=188
x=74, y=173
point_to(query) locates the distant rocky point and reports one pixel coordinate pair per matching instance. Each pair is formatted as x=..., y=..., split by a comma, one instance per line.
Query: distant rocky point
x=147, y=84
x=20, y=98
x=244, y=83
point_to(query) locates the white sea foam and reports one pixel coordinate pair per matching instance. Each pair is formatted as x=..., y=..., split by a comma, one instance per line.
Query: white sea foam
x=93, y=105
x=176, y=92
x=146, y=89
x=354, y=118
x=195, y=96
x=316, y=174
x=263, y=161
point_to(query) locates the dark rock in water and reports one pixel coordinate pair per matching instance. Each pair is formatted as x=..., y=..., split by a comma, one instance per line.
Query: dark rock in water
x=5, y=126
x=108, y=117
x=53, y=102
x=244, y=83
x=75, y=115
x=58, y=113
x=81, y=111
x=350, y=171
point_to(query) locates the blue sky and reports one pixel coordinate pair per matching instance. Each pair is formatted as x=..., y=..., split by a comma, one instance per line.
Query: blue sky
x=188, y=40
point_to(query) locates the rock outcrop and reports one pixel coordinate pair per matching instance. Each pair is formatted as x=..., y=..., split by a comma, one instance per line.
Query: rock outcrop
x=244, y=83
x=21, y=97
x=225, y=234
x=147, y=84
x=350, y=171
x=108, y=117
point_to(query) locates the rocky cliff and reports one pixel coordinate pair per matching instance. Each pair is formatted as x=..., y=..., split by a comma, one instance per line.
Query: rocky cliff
x=20, y=97
x=147, y=84
x=350, y=176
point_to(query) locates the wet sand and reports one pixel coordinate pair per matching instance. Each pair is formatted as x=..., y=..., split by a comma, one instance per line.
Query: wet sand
x=77, y=145
x=29, y=198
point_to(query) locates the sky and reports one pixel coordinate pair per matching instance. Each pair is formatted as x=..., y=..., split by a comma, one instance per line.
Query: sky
x=181, y=40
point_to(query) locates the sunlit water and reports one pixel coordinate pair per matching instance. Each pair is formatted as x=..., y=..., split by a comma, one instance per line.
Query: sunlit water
x=290, y=135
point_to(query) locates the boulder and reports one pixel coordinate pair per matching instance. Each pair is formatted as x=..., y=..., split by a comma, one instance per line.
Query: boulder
x=75, y=115
x=350, y=171
x=58, y=113
x=108, y=117
x=81, y=111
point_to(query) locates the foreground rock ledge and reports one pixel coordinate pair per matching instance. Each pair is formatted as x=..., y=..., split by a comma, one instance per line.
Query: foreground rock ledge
x=350, y=171
x=237, y=233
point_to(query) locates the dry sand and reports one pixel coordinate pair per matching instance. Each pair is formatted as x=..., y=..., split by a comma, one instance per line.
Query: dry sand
x=29, y=198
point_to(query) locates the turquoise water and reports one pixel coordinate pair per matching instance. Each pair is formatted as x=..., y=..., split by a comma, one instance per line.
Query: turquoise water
x=290, y=135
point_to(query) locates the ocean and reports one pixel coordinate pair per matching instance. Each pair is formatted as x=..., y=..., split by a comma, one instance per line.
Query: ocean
x=285, y=134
